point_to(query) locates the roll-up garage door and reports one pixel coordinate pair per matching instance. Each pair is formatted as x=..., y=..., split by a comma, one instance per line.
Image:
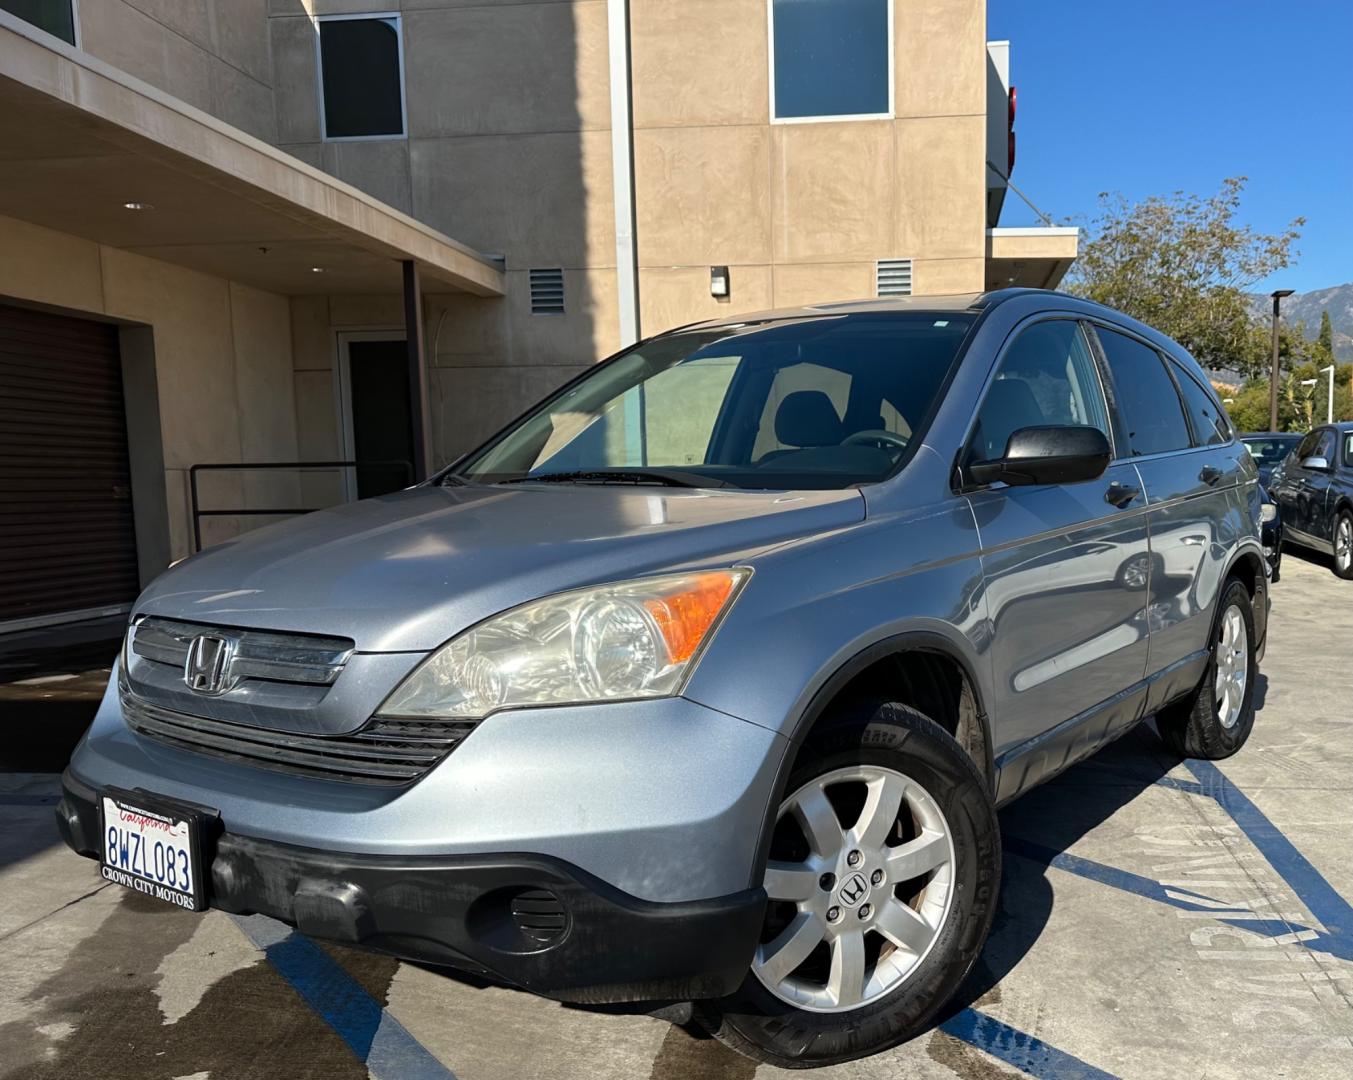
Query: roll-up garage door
x=67, y=545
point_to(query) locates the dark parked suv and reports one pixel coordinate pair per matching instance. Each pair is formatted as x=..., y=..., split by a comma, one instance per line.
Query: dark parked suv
x=702, y=682
x=1314, y=489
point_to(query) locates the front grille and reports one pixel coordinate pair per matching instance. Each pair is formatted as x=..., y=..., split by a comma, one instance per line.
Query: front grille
x=258, y=654
x=382, y=752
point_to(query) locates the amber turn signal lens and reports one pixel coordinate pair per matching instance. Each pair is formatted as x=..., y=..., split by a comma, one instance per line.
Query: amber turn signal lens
x=684, y=618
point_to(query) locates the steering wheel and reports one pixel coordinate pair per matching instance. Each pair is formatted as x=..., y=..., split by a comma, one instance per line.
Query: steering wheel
x=885, y=440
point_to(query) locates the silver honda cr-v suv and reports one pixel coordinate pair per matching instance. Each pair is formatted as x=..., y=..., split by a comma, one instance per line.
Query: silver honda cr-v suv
x=701, y=682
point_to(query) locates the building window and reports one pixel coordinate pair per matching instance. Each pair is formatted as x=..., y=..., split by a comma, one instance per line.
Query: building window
x=57, y=17
x=831, y=59
x=361, y=73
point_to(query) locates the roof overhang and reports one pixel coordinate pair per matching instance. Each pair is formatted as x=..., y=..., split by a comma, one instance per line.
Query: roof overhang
x=1034, y=257
x=79, y=139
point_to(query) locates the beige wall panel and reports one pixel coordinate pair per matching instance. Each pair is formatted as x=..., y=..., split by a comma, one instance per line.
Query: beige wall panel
x=938, y=277
x=261, y=324
x=194, y=359
x=687, y=73
x=939, y=51
x=470, y=404
x=191, y=18
x=679, y=295
x=507, y=68
x=242, y=101
x=941, y=193
x=823, y=283
x=465, y=331
x=312, y=346
x=543, y=200
x=702, y=195
x=379, y=167
x=355, y=311
x=834, y=187
x=294, y=78
x=317, y=437
x=119, y=34
x=49, y=267
x=240, y=36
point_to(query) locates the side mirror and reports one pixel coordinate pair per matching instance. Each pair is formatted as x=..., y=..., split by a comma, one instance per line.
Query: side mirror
x=1316, y=464
x=1053, y=454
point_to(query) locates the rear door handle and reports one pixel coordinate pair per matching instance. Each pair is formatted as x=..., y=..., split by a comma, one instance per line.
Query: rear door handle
x=1120, y=495
x=1211, y=475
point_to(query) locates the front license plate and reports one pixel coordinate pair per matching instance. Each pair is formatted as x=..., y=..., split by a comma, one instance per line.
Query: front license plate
x=154, y=848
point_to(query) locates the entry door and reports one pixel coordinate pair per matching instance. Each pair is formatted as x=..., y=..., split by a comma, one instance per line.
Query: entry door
x=379, y=421
x=67, y=545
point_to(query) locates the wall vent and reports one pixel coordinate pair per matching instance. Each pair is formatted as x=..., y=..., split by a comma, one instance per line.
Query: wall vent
x=893, y=277
x=547, y=292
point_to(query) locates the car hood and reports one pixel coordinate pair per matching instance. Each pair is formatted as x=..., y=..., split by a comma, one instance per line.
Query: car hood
x=405, y=572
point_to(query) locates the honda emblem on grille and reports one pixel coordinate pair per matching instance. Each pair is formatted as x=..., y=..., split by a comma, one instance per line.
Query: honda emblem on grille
x=207, y=668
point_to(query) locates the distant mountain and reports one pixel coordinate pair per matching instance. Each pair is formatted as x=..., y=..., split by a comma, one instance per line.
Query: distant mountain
x=1306, y=307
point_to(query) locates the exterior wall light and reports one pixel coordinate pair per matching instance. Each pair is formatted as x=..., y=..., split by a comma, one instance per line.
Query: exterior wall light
x=719, y=284
x=137, y=206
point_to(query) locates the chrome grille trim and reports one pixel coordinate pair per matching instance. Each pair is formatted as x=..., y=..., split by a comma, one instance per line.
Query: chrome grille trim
x=259, y=654
x=382, y=752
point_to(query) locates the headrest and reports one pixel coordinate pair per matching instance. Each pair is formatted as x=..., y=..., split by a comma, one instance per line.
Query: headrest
x=808, y=418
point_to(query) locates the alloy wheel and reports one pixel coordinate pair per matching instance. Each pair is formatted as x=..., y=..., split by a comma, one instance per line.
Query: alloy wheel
x=1233, y=660
x=1343, y=543
x=854, y=909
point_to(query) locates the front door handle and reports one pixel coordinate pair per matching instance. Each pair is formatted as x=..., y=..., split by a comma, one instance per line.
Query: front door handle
x=1120, y=494
x=1211, y=475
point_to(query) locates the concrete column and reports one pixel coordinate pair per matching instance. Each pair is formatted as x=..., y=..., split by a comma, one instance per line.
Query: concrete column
x=420, y=419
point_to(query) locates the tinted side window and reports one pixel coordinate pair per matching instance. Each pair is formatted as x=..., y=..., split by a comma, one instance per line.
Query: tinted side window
x=1348, y=449
x=1325, y=447
x=1047, y=376
x=1147, y=399
x=1209, y=422
x=1307, y=446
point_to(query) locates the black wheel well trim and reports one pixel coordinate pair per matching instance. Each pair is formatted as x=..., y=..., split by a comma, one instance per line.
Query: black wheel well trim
x=908, y=641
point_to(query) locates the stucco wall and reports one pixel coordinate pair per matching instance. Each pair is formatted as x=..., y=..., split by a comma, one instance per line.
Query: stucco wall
x=213, y=54
x=223, y=367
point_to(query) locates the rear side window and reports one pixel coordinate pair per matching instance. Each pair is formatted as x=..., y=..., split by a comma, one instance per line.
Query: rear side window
x=1209, y=422
x=1147, y=401
x=1348, y=449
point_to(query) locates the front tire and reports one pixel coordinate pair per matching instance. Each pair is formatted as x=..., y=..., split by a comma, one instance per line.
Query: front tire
x=1217, y=718
x=883, y=876
x=1343, y=544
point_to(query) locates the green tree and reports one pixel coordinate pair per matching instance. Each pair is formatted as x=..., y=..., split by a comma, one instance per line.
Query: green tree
x=1183, y=264
x=1326, y=338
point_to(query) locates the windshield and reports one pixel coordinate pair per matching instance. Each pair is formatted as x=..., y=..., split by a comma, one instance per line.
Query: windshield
x=805, y=403
x=1270, y=451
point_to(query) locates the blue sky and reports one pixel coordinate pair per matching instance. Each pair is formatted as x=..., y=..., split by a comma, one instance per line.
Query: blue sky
x=1146, y=97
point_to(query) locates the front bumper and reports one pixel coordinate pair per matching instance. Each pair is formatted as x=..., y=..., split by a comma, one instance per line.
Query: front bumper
x=530, y=920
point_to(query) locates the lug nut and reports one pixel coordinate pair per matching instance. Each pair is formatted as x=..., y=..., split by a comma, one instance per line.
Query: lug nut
x=865, y=911
x=853, y=859
x=833, y=913
x=876, y=878
x=827, y=881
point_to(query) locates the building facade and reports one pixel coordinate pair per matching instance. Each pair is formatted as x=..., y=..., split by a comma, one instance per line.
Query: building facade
x=336, y=230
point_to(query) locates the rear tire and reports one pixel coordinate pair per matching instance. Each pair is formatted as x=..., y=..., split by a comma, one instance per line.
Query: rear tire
x=882, y=955
x=1343, y=544
x=1217, y=718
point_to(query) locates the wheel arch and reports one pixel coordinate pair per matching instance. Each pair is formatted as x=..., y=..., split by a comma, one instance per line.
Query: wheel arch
x=969, y=723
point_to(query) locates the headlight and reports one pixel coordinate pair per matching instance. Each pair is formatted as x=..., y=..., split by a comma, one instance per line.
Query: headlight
x=1268, y=512
x=636, y=639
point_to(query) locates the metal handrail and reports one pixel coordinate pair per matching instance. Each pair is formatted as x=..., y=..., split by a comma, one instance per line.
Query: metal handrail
x=199, y=513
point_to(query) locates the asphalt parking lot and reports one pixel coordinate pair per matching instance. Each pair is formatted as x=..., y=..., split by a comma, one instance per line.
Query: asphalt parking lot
x=1158, y=919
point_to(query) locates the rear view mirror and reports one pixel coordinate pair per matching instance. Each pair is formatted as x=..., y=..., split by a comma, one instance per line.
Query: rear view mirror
x=1053, y=454
x=1316, y=464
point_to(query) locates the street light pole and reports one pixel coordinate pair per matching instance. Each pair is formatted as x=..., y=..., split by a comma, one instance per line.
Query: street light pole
x=1277, y=295
x=1329, y=408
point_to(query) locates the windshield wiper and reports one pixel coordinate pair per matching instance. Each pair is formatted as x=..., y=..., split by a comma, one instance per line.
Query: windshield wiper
x=665, y=477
